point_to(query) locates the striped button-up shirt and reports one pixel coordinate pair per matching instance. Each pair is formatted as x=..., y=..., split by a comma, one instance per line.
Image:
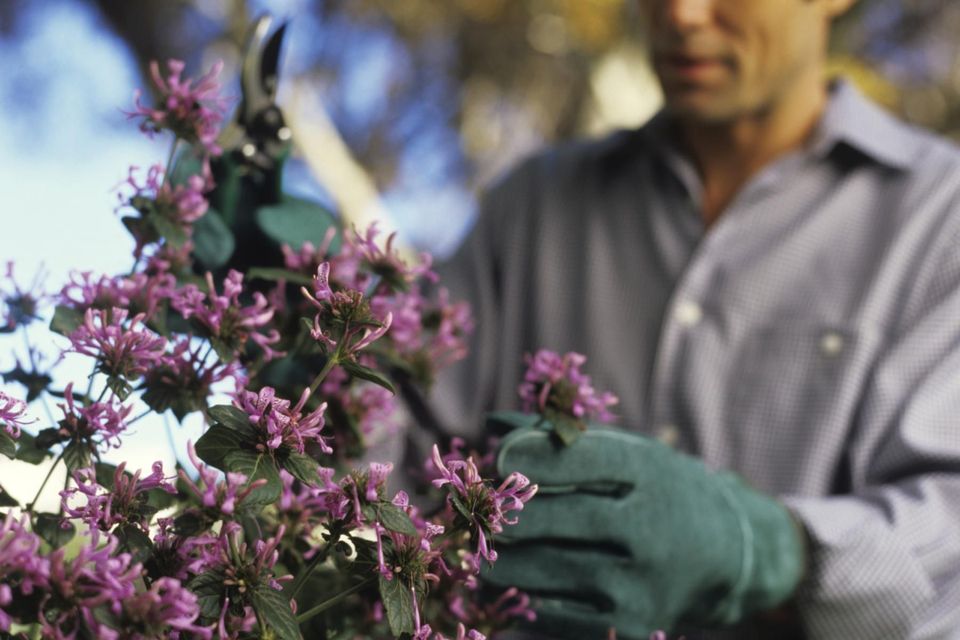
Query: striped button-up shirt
x=809, y=340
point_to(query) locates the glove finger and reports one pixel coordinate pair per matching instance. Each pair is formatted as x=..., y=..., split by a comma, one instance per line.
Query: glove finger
x=600, y=457
x=574, y=517
x=503, y=422
x=563, y=619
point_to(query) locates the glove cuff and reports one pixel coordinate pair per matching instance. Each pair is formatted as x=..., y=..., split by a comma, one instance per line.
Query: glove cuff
x=773, y=559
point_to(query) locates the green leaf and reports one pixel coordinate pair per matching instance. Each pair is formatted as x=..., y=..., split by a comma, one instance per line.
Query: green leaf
x=458, y=504
x=366, y=373
x=295, y=221
x=174, y=235
x=134, y=541
x=396, y=519
x=8, y=446
x=120, y=386
x=65, y=320
x=76, y=456
x=232, y=418
x=273, y=608
x=106, y=473
x=48, y=526
x=29, y=451
x=225, y=352
x=256, y=466
x=7, y=500
x=398, y=601
x=213, y=242
x=303, y=468
x=566, y=428
x=274, y=274
x=217, y=443
x=209, y=589
x=159, y=499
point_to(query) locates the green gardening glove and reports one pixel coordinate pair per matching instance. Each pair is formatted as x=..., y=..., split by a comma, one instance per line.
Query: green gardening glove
x=627, y=533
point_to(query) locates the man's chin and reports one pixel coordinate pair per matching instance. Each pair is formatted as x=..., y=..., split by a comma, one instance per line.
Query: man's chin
x=700, y=109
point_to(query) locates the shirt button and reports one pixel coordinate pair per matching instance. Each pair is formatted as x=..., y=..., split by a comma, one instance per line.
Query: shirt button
x=668, y=434
x=831, y=343
x=688, y=313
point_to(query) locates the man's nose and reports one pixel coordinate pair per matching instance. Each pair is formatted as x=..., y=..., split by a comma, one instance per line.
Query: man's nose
x=686, y=15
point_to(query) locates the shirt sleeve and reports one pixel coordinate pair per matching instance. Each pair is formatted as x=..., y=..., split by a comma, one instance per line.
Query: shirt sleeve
x=885, y=559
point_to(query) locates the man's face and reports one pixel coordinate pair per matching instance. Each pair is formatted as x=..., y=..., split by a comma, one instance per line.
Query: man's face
x=722, y=59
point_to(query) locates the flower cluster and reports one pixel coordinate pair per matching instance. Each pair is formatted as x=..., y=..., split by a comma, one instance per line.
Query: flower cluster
x=121, y=351
x=273, y=493
x=191, y=109
x=484, y=507
x=12, y=414
x=165, y=210
x=20, y=306
x=280, y=425
x=555, y=382
x=224, y=320
x=125, y=502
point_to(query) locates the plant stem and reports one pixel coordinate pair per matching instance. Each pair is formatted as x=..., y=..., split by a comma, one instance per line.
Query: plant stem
x=332, y=361
x=326, y=604
x=142, y=415
x=315, y=561
x=43, y=484
x=168, y=169
x=170, y=439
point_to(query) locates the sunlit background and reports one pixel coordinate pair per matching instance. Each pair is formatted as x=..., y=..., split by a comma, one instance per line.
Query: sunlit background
x=401, y=111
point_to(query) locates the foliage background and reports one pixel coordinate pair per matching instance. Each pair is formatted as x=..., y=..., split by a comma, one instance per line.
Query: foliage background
x=402, y=109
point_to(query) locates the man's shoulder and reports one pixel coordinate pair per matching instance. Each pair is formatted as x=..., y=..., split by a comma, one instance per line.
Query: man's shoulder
x=575, y=162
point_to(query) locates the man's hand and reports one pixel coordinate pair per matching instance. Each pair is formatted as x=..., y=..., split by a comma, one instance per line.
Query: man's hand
x=627, y=533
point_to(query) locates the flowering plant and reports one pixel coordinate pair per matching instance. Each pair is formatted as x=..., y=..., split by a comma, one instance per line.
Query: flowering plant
x=271, y=529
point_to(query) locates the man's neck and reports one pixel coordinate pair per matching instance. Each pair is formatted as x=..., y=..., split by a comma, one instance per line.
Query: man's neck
x=728, y=154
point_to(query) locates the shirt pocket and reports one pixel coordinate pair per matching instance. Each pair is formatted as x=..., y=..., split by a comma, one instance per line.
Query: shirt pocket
x=796, y=386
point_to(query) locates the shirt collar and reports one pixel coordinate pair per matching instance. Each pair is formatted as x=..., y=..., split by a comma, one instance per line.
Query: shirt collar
x=852, y=119
x=849, y=118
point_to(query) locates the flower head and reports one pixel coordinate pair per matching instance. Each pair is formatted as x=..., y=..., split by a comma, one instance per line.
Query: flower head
x=182, y=380
x=20, y=305
x=23, y=569
x=487, y=506
x=344, y=320
x=164, y=610
x=191, y=109
x=97, y=423
x=126, y=351
x=279, y=424
x=224, y=319
x=220, y=498
x=555, y=382
x=165, y=211
x=12, y=416
x=125, y=503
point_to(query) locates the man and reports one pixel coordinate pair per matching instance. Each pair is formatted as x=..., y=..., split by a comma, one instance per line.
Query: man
x=767, y=274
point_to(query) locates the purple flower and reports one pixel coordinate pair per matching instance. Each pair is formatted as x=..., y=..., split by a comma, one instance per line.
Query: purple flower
x=19, y=305
x=165, y=609
x=278, y=424
x=96, y=577
x=220, y=498
x=97, y=423
x=139, y=292
x=191, y=109
x=12, y=416
x=385, y=264
x=165, y=210
x=344, y=320
x=22, y=567
x=555, y=382
x=223, y=318
x=120, y=351
x=487, y=506
x=178, y=556
x=125, y=503
x=242, y=568
x=510, y=605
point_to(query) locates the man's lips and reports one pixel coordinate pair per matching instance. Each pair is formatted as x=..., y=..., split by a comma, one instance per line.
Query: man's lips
x=691, y=68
